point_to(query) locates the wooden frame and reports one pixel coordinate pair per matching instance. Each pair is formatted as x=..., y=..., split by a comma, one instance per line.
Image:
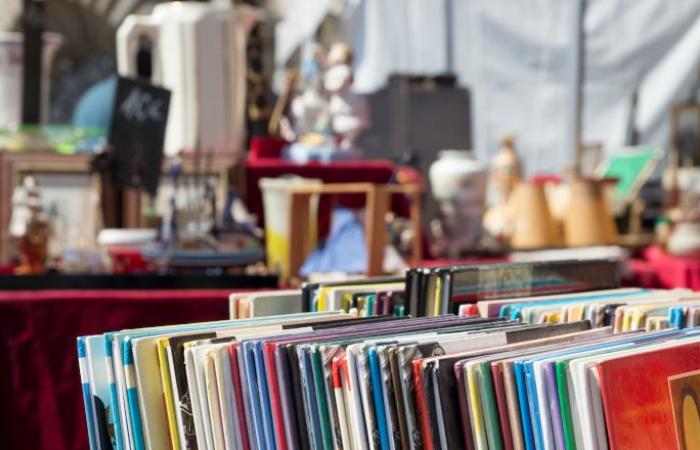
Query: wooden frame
x=377, y=205
x=678, y=127
x=13, y=166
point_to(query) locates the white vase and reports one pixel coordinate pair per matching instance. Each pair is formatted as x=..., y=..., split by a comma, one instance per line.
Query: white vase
x=685, y=239
x=458, y=181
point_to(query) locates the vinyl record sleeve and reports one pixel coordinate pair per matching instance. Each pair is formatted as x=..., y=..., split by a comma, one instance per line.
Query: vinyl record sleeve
x=648, y=395
x=378, y=396
x=398, y=398
x=343, y=426
x=422, y=414
x=90, y=418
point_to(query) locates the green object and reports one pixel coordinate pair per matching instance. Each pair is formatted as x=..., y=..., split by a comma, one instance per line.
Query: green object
x=631, y=166
x=564, y=405
x=489, y=405
x=62, y=139
x=319, y=386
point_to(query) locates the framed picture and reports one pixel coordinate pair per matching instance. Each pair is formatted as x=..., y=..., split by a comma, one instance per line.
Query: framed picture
x=685, y=123
x=69, y=194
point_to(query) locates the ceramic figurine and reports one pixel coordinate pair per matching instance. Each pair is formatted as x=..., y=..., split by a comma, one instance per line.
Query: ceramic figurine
x=506, y=171
x=310, y=108
x=349, y=111
x=29, y=227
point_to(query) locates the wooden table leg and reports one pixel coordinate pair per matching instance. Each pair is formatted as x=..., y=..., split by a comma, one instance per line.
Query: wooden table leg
x=375, y=229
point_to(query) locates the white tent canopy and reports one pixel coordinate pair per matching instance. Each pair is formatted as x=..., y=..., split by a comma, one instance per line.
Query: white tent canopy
x=520, y=60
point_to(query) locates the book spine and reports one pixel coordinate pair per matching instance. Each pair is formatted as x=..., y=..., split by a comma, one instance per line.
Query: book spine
x=87, y=397
x=113, y=394
x=376, y=382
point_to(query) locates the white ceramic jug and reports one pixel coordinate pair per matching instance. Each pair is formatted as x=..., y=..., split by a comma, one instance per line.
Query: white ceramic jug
x=458, y=182
x=11, y=66
x=199, y=53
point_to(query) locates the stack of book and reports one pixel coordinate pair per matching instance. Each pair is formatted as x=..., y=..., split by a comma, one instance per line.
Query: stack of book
x=610, y=368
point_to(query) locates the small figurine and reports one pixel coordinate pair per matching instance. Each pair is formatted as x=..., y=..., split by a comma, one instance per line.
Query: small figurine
x=506, y=172
x=350, y=114
x=506, y=169
x=29, y=227
x=310, y=108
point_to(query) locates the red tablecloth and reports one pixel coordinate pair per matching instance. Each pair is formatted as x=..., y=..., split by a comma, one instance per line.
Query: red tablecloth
x=657, y=269
x=379, y=172
x=40, y=392
x=264, y=161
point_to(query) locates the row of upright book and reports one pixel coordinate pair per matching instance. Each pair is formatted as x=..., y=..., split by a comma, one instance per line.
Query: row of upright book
x=348, y=367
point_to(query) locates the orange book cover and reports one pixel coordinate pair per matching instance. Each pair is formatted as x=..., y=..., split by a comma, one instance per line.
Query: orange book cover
x=639, y=392
x=422, y=405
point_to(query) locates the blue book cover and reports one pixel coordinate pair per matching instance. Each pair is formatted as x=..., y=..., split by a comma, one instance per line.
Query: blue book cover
x=100, y=392
x=523, y=405
x=310, y=405
x=253, y=393
x=132, y=395
x=113, y=392
x=87, y=392
x=265, y=405
x=377, y=395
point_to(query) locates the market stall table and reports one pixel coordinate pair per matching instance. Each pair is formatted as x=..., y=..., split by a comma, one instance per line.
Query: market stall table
x=41, y=405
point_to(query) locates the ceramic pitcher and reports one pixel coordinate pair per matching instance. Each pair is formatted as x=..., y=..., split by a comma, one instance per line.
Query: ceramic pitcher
x=11, y=66
x=458, y=182
x=198, y=52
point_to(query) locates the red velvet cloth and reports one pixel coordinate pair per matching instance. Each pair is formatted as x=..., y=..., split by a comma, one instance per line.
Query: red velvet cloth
x=41, y=404
x=264, y=162
x=657, y=269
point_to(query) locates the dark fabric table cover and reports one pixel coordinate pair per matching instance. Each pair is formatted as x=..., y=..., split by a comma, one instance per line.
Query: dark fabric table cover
x=41, y=404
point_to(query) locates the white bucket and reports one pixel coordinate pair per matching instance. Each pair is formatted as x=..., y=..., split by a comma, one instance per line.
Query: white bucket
x=275, y=193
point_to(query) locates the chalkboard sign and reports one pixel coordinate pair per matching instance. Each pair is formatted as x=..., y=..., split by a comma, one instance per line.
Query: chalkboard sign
x=137, y=132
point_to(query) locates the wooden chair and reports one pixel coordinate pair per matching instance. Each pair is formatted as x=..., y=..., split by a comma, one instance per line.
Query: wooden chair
x=377, y=205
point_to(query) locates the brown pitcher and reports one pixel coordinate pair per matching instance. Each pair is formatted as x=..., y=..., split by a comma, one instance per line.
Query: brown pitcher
x=533, y=224
x=587, y=220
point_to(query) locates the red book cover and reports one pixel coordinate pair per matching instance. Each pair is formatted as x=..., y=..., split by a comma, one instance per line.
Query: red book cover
x=273, y=388
x=238, y=392
x=463, y=407
x=637, y=396
x=497, y=374
x=422, y=404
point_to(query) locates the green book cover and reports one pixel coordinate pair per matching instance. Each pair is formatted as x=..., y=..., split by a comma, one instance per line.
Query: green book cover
x=321, y=400
x=564, y=405
x=489, y=406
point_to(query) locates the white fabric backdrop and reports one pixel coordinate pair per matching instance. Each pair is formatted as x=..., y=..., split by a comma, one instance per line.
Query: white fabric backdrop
x=519, y=58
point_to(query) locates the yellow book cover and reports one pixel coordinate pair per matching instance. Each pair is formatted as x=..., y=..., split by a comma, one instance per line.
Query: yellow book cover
x=437, y=306
x=168, y=393
x=477, y=416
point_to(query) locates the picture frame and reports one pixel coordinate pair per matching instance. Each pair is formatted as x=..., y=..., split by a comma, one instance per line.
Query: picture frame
x=685, y=133
x=69, y=192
